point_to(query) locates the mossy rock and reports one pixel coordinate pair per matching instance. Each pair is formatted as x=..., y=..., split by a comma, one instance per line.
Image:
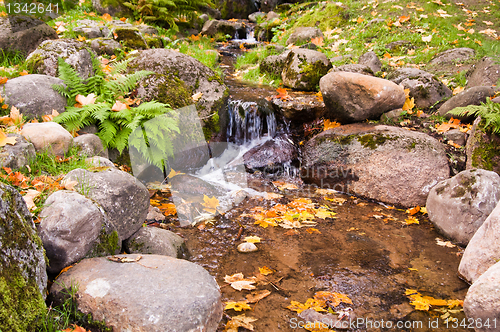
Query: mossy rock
x=483, y=148
x=304, y=68
x=112, y=7
x=153, y=41
x=23, y=276
x=167, y=89
x=130, y=37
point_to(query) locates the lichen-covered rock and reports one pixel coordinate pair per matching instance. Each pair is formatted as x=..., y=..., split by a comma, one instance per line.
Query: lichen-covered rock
x=90, y=145
x=23, y=33
x=156, y=294
x=235, y=8
x=123, y=198
x=33, y=95
x=111, y=7
x=424, y=87
x=384, y=163
x=130, y=37
x=452, y=56
x=18, y=155
x=48, y=136
x=304, y=68
x=482, y=302
x=458, y=206
x=304, y=35
x=273, y=64
x=472, y=96
x=483, y=148
x=157, y=241
x=484, y=73
x=91, y=29
x=73, y=227
x=271, y=155
x=354, y=68
x=23, y=277
x=351, y=97
x=371, y=60
x=44, y=59
x=105, y=46
x=190, y=77
x=483, y=249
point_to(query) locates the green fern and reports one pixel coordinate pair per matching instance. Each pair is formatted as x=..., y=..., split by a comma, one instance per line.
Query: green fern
x=489, y=112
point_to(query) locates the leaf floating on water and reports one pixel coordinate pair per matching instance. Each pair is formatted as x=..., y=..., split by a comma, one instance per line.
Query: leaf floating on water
x=239, y=321
x=265, y=270
x=257, y=296
x=237, y=306
x=424, y=303
x=210, y=204
x=252, y=239
x=238, y=282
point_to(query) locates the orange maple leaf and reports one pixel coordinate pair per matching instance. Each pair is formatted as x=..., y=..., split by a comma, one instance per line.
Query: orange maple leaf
x=119, y=106
x=107, y=17
x=6, y=140
x=90, y=99
x=282, y=94
x=445, y=126
x=403, y=19
x=24, y=73
x=3, y=80
x=318, y=41
x=330, y=125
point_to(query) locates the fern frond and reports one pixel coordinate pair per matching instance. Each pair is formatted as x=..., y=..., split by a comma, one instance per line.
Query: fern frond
x=489, y=112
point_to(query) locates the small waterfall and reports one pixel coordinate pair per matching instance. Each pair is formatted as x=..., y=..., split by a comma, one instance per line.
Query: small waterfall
x=247, y=123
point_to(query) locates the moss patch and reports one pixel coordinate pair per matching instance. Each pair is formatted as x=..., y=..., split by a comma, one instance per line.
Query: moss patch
x=372, y=141
x=108, y=244
x=327, y=17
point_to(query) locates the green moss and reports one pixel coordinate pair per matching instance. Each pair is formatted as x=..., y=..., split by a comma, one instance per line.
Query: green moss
x=372, y=141
x=465, y=186
x=130, y=37
x=108, y=244
x=325, y=18
x=412, y=146
x=153, y=42
x=172, y=91
x=34, y=63
x=440, y=190
x=136, y=247
x=486, y=154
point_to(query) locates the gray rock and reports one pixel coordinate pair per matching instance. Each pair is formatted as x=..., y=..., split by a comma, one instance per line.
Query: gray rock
x=33, y=95
x=354, y=68
x=482, y=301
x=130, y=37
x=172, y=295
x=155, y=215
x=271, y=16
x=424, y=87
x=340, y=58
x=453, y=56
x=254, y=17
x=273, y=64
x=399, y=45
x=18, y=155
x=351, y=97
x=105, y=46
x=384, y=163
x=303, y=35
x=391, y=115
x=73, y=227
x=188, y=184
x=271, y=155
x=48, y=136
x=308, y=108
x=97, y=161
x=157, y=241
x=472, y=96
x=483, y=249
x=304, y=68
x=484, y=73
x=111, y=7
x=496, y=100
x=123, y=198
x=91, y=29
x=213, y=27
x=90, y=145
x=456, y=136
x=23, y=277
x=44, y=59
x=23, y=33
x=371, y=60
x=458, y=206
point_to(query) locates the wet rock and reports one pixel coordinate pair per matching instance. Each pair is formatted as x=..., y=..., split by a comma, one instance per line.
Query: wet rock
x=304, y=68
x=157, y=241
x=354, y=68
x=472, y=96
x=300, y=109
x=172, y=295
x=484, y=73
x=23, y=277
x=90, y=145
x=271, y=155
x=254, y=17
x=123, y=198
x=482, y=149
x=424, y=87
x=309, y=46
x=113, y=8
x=105, y=46
x=482, y=301
x=23, y=33
x=483, y=249
x=91, y=29
x=453, y=56
x=458, y=206
x=496, y=100
x=48, y=136
x=388, y=164
x=189, y=75
x=73, y=227
x=246, y=247
x=18, y=155
x=33, y=95
x=97, y=161
x=304, y=35
x=399, y=46
x=351, y=97
x=371, y=60
x=155, y=215
x=274, y=64
x=456, y=136
x=44, y=59
x=188, y=184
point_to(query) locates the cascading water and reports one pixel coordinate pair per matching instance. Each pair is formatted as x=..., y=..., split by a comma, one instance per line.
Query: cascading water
x=247, y=123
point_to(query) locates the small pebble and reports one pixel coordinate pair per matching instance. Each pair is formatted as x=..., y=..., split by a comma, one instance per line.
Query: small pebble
x=247, y=247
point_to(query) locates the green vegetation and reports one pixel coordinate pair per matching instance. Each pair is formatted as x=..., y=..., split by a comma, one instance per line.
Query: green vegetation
x=489, y=113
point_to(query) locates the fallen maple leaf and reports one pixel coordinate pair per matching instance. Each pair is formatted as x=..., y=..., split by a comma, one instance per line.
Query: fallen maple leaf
x=3, y=80
x=265, y=270
x=6, y=140
x=90, y=99
x=24, y=73
x=29, y=198
x=318, y=41
x=197, y=96
x=74, y=328
x=330, y=125
x=239, y=321
x=282, y=94
x=50, y=117
x=412, y=220
x=257, y=296
x=210, y=204
x=252, y=239
x=427, y=38
x=107, y=17
x=445, y=126
x=413, y=211
x=404, y=18
x=81, y=38
x=312, y=230
x=119, y=106
x=281, y=185
x=237, y=306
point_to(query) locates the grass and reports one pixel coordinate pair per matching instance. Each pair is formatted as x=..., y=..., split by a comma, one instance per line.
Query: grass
x=200, y=48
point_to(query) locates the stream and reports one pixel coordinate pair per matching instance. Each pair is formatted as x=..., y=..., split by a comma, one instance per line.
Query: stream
x=365, y=251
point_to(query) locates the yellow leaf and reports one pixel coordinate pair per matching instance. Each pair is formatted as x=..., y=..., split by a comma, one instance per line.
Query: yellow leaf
x=119, y=106
x=458, y=89
x=90, y=99
x=412, y=269
x=197, y=96
x=81, y=38
x=330, y=125
x=413, y=211
x=107, y=17
x=423, y=210
x=409, y=104
x=210, y=204
x=411, y=220
x=237, y=306
x=266, y=222
x=252, y=239
x=239, y=321
x=323, y=213
x=265, y=270
x=6, y=140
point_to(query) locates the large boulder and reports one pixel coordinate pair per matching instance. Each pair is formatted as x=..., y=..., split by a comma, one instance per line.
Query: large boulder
x=154, y=294
x=484, y=73
x=235, y=8
x=483, y=249
x=458, y=206
x=123, y=198
x=352, y=97
x=33, y=95
x=303, y=35
x=424, y=87
x=273, y=64
x=48, y=137
x=354, y=68
x=73, y=227
x=472, y=96
x=384, y=163
x=483, y=148
x=272, y=155
x=23, y=278
x=18, y=155
x=177, y=77
x=157, y=241
x=303, y=69
x=482, y=302
x=23, y=33
x=44, y=60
